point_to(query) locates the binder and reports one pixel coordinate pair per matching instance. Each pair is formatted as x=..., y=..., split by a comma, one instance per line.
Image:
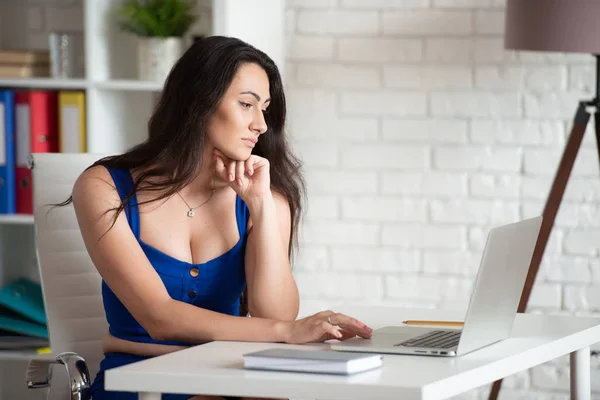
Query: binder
x=24, y=297
x=22, y=310
x=22, y=327
x=36, y=132
x=7, y=152
x=71, y=129
x=24, y=190
x=44, y=121
x=14, y=341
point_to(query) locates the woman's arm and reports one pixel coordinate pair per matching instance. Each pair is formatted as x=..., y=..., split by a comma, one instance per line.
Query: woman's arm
x=125, y=268
x=272, y=291
x=123, y=265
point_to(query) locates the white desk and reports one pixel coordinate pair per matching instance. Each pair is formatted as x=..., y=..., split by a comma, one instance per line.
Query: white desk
x=216, y=368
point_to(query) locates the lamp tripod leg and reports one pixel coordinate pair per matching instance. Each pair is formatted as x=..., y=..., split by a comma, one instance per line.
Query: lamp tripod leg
x=597, y=129
x=555, y=196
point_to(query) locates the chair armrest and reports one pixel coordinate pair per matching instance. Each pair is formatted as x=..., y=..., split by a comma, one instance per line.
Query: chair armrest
x=39, y=372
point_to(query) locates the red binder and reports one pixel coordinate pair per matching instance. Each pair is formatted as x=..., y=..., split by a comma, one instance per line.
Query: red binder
x=44, y=121
x=22, y=149
x=36, y=132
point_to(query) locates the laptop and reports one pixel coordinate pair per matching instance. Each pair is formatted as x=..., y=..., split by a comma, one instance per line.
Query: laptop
x=492, y=307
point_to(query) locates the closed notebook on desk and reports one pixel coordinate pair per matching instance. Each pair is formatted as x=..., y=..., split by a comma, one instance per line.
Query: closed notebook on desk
x=316, y=361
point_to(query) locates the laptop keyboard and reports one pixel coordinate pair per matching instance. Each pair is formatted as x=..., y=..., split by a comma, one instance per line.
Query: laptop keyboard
x=434, y=339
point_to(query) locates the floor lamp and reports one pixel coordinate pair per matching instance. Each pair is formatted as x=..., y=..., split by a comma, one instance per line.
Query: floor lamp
x=556, y=26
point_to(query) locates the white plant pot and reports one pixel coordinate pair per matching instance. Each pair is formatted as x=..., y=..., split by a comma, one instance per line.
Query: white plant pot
x=156, y=57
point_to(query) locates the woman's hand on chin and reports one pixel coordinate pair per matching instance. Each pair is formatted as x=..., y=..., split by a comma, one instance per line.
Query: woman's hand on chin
x=249, y=178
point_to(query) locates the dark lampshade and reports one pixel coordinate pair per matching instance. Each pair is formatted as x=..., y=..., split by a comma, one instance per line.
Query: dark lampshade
x=553, y=25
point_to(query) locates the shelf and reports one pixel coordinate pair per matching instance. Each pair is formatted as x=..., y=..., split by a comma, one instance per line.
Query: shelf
x=44, y=83
x=24, y=354
x=129, y=85
x=50, y=83
x=16, y=219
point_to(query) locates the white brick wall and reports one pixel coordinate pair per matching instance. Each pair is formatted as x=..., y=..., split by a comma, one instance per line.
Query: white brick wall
x=418, y=133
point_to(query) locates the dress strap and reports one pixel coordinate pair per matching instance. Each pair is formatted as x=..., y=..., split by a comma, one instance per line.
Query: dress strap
x=124, y=184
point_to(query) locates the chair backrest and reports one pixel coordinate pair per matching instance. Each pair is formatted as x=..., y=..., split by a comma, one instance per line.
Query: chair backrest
x=71, y=285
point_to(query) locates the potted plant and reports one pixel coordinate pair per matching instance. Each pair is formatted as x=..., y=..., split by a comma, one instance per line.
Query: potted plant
x=160, y=26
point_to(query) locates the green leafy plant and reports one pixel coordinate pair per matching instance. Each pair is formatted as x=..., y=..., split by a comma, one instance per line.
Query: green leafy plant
x=157, y=18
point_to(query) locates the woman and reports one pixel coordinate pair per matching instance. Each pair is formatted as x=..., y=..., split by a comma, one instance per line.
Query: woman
x=205, y=210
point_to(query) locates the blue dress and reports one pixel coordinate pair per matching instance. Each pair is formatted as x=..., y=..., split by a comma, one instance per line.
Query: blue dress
x=214, y=285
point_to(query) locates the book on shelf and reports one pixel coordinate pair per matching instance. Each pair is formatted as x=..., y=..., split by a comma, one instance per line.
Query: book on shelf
x=23, y=321
x=24, y=56
x=24, y=71
x=314, y=361
x=24, y=63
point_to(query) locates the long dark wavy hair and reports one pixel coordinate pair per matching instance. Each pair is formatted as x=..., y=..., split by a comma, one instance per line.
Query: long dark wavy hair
x=177, y=129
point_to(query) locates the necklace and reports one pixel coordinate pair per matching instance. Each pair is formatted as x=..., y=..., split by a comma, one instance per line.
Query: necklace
x=191, y=212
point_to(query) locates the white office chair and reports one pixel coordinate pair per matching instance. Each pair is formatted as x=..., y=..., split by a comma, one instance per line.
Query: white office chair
x=71, y=285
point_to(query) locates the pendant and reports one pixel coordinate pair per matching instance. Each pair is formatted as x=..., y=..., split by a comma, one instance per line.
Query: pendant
x=191, y=213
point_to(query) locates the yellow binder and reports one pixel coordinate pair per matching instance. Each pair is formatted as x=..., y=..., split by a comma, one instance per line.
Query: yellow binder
x=71, y=122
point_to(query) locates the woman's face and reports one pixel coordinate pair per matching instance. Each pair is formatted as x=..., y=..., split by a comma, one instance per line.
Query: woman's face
x=238, y=121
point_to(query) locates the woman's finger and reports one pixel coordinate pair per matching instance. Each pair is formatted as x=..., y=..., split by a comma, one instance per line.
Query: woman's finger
x=259, y=162
x=249, y=165
x=332, y=330
x=239, y=172
x=230, y=166
x=351, y=324
x=346, y=334
x=220, y=167
x=231, y=171
x=342, y=319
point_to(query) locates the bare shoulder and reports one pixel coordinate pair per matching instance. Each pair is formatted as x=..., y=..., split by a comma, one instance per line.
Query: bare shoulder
x=94, y=183
x=95, y=201
x=94, y=178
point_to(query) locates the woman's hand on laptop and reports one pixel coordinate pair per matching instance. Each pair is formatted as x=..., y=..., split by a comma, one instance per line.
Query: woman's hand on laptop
x=324, y=326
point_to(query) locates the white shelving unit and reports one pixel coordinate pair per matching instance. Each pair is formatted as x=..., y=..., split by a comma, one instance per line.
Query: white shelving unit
x=44, y=83
x=20, y=355
x=127, y=85
x=117, y=109
x=16, y=220
x=82, y=84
